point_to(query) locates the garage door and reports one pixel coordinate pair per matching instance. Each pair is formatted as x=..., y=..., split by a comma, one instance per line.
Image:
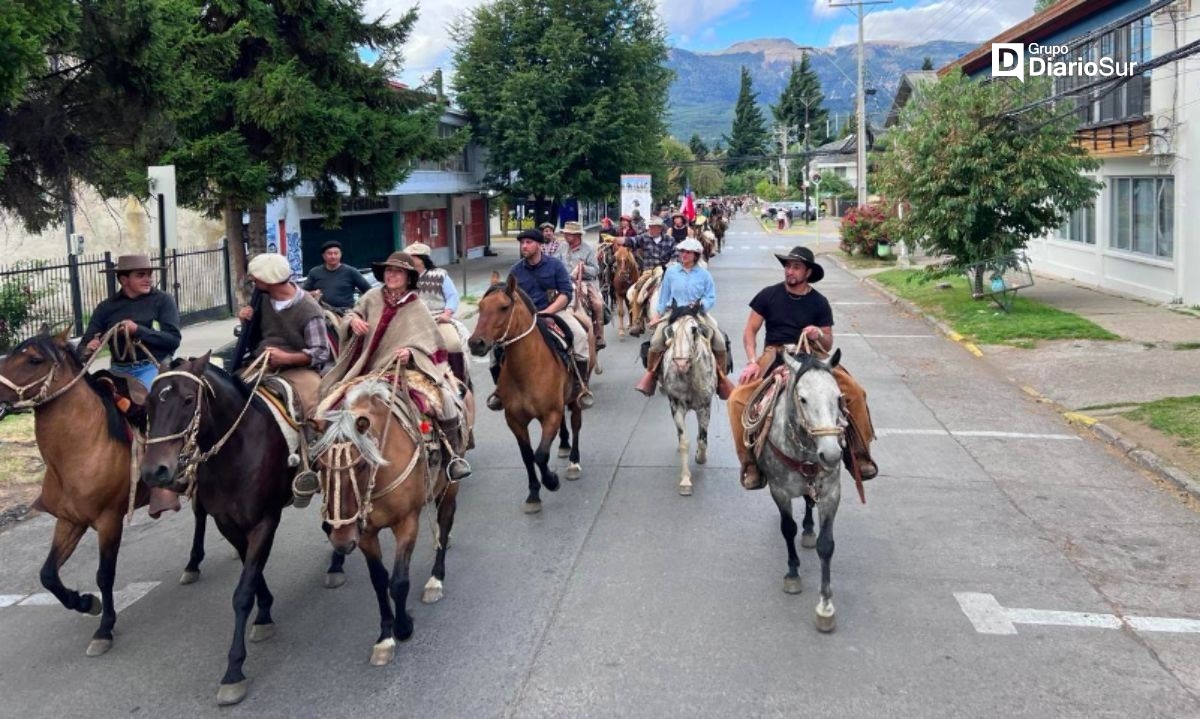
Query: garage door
x=365, y=239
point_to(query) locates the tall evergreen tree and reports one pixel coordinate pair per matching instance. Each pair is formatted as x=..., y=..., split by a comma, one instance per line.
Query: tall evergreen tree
x=927, y=64
x=749, y=136
x=699, y=149
x=803, y=92
x=563, y=109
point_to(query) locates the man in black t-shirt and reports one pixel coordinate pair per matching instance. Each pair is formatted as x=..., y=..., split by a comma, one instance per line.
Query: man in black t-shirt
x=334, y=283
x=790, y=310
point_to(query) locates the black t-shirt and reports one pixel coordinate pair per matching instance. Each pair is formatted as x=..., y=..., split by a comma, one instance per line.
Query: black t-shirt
x=337, y=287
x=786, y=314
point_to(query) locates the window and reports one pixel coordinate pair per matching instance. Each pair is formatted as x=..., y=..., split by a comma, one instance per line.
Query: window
x=1129, y=99
x=1143, y=215
x=433, y=227
x=1080, y=226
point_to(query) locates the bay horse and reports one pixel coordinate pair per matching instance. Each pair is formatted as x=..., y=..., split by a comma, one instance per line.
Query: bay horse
x=236, y=460
x=624, y=274
x=533, y=382
x=688, y=378
x=377, y=474
x=86, y=443
x=803, y=457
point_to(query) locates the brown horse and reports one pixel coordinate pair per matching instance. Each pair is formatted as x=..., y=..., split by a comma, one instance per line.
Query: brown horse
x=625, y=273
x=85, y=442
x=533, y=383
x=376, y=473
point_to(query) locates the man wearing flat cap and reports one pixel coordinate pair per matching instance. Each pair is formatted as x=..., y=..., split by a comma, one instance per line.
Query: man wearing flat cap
x=287, y=323
x=333, y=282
x=790, y=310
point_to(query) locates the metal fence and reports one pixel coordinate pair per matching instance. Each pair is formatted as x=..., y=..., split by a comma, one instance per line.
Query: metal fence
x=63, y=293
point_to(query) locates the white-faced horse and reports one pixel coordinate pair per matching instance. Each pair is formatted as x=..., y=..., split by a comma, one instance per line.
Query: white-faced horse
x=688, y=379
x=803, y=457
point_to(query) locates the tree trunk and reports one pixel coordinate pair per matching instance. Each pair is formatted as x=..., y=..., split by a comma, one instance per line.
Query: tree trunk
x=979, y=271
x=258, y=229
x=237, y=251
x=540, y=212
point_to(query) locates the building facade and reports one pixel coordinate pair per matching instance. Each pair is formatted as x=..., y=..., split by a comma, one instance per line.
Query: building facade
x=1134, y=239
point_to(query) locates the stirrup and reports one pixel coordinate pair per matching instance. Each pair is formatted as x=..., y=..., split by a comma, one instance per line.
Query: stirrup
x=586, y=400
x=304, y=486
x=458, y=468
x=494, y=403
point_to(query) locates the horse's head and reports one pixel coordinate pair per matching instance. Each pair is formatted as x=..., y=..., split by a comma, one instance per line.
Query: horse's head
x=504, y=312
x=815, y=405
x=684, y=335
x=36, y=368
x=174, y=410
x=348, y=456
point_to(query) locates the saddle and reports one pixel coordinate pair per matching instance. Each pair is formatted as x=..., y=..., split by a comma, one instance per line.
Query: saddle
x=558, y=337
x=128, y=393
x=760, y=411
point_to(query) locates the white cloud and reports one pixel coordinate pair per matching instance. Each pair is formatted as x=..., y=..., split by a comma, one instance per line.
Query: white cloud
x=821, y=9
x=968, y=20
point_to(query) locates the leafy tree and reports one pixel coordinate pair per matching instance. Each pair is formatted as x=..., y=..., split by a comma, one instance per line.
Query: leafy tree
x=927, y=64
x=749, y=135
x=834, y=186
x=978, y=180
x=707, y=180
x=84, y=93
x=282, y=98
x=1040, y=5
x=563, y=109
x=669, y=181
x=699, y=149
x=801, y=101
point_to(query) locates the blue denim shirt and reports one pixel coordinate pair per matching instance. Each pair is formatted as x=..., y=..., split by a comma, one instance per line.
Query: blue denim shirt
x=549, y=274
x=685, y=287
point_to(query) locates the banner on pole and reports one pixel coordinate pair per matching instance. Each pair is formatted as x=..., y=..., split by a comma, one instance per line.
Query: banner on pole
x=635, y=195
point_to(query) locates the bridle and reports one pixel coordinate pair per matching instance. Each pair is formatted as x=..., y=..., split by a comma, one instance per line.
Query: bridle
x=681, y=359
x=504, y=340
x=807, y=465
x=44, y=395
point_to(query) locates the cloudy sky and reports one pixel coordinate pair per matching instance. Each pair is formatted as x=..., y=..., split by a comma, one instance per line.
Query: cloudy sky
x=702, y=25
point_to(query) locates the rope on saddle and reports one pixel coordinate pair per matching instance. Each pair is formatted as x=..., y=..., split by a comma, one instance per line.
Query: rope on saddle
x=44, y=394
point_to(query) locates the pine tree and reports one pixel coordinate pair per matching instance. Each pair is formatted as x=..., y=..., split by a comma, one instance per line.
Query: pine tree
x=748, y=136
x=927, y=64
x=803, y=91
x=699, y=149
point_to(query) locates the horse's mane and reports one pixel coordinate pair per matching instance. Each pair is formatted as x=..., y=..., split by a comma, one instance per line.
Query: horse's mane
x=235, y=383
x=684, y=311
x=118, y=428
x=503, y=287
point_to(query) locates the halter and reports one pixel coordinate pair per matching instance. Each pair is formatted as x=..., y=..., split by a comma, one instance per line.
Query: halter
x=681, y=360
x=190, y=456
x=44, y=395
x=503, y=341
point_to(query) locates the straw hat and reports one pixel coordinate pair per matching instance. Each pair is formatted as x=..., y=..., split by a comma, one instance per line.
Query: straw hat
x=572, y=228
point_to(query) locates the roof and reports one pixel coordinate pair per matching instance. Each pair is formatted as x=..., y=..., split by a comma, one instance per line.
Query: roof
x=847, y=145
x=1058, y=16
x=909, y=82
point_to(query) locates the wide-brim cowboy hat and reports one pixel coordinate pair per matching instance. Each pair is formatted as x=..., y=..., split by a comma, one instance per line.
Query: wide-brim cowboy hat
x=805, y=255
x=132, y=263
x=399, y=260
x=270, y=268
x=678, y=213
x=572, y=228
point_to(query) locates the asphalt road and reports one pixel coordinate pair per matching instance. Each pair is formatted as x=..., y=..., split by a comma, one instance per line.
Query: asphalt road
x=624, y=599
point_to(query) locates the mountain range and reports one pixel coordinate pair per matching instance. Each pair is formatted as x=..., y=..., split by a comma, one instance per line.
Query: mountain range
x=705, y=89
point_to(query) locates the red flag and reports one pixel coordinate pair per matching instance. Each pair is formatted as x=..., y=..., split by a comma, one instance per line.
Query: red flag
x=689, y=206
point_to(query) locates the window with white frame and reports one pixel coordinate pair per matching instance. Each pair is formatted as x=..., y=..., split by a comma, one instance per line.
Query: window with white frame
x=1080, y=226
x=1143, y=215
x=433, y=227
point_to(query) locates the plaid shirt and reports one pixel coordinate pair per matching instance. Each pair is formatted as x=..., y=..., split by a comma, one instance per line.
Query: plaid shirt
x=655, y=254
x=317, y=344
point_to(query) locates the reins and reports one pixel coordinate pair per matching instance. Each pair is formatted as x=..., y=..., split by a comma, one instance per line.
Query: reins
x=503, y=341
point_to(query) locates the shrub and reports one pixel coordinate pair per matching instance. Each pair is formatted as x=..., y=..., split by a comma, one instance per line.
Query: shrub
x=17, y=299
x=863, y=228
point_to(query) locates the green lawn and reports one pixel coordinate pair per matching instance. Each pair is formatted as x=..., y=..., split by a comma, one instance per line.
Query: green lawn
x=981, y=321
x=1175, y=416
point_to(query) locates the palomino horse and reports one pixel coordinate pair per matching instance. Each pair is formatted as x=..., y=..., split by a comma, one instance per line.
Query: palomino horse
x=624, y=274
x=85, y=442
x=688, y=379
x=235, y=458
x=533, y=382
x=376, y=473
x=803, y=457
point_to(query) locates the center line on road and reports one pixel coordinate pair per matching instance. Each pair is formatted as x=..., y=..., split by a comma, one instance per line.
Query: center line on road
x=122, y=598
x=933, y=432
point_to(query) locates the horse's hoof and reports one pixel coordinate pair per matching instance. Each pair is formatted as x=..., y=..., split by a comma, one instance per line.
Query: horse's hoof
x=433, y=591
x=564, y=452
x=383, y=653
x=574, y=471
x=826, y=622
x=791, y=585
x=333, y=580
x=94, y=606
x=261, y=632
x=189, y=577
x=551, y=482
x=531, y=507
x=599, y=370
x=231, y=693
x=701, y=456
x=621, y=333
x=97, y=647
x=685, y=490
x=808, y=541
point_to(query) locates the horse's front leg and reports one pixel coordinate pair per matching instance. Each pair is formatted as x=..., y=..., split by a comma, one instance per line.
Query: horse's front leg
x=335, y=576
x=62, y=546
x=827, y=506
x=108, y=531
x=385, y=646
x=255, y=548
x=787, y=526
x=533, y=502
x=679, y=414
x=702, y=417
x=191, y=573
x=447, y=504
x=620, y=317
x=574, y=469
x=808, y=538
x=551, y=424
x=406, y=539
x=564, y=440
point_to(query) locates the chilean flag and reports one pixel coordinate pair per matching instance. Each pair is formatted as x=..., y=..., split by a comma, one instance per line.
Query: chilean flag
x=689, y=205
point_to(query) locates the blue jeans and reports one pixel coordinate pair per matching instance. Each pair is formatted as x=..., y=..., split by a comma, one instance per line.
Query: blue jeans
x=145, y=370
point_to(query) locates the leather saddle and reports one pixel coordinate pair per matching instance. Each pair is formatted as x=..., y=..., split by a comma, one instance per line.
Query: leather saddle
x=128, y=393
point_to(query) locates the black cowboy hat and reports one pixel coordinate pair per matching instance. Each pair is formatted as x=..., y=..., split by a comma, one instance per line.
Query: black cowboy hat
x=805, y=255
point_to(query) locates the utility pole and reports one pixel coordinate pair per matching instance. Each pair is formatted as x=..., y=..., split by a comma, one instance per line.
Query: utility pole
x=861, y=104
x=784, y=141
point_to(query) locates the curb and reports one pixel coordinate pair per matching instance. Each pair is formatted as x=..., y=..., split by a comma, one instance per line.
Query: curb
x=1143, y=458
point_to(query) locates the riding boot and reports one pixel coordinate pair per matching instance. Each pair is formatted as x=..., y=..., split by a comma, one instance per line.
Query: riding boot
x=493, y=400
x=649, y=381
x=724, y=386
x=458, y=467
x=586, y=400
x=858, y=452
x=598, y=331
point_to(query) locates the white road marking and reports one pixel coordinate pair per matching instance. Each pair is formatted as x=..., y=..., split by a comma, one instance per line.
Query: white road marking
x=122, y=598
x=896, y=431
x=890, y=337
x=859, y=303
x=988, y=616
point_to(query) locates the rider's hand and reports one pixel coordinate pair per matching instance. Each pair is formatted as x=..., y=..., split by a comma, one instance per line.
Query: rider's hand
x=445, y=316
x=404, y=355
x=246, y=313
x=358, y=325
x=812, y=332
x=130, y=326
x=93, y=345
x=750, y=373
x=316, y=295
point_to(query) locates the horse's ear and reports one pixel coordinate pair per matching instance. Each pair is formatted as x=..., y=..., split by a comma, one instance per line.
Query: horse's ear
x=837, y=357
x=362, y=424
x=495, y=279
x=511, y=286
x=63, y=335
x=199, y=364
x=793, y=364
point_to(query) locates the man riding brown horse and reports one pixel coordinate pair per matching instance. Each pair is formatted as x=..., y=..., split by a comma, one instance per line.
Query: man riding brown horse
x=793, y=309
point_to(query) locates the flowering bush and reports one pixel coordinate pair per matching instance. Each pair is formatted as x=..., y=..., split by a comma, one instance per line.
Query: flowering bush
x=863, y=228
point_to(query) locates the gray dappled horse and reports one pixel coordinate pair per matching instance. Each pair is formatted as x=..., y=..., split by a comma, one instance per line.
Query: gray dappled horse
x=688, y=379
x=803, y=457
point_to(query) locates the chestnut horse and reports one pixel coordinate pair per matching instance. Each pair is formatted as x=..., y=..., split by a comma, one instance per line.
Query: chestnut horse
x=377, y=473
x=533, y=382
x=624, y=274
x=86, y=443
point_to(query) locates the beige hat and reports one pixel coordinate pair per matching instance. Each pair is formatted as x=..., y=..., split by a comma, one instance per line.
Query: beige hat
x=131, y=263
x=418, y=249
x=572, y=228
x=399, y=260
x=270, y=268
